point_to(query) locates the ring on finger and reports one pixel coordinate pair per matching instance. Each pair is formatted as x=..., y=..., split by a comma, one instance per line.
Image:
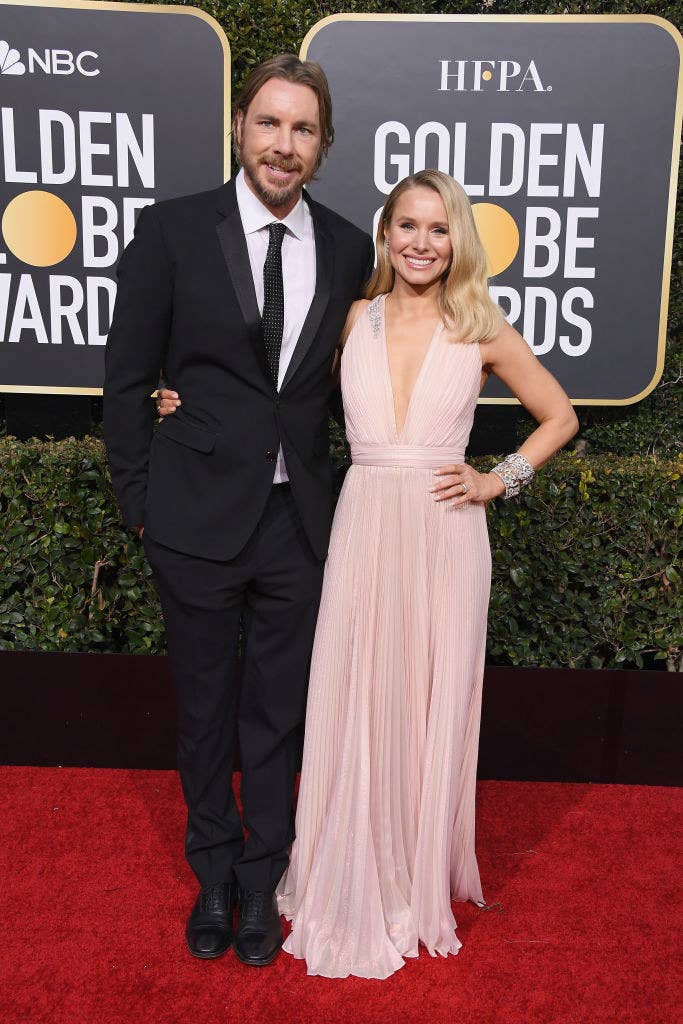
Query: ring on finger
x=465, y=488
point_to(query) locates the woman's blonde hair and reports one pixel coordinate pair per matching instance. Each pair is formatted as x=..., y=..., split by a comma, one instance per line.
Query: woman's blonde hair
x=464, y=300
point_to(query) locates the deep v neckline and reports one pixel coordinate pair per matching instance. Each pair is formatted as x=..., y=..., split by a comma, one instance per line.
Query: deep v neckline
x=398, y=434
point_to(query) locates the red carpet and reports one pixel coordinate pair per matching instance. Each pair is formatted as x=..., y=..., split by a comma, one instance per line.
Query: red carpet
x=95, y=893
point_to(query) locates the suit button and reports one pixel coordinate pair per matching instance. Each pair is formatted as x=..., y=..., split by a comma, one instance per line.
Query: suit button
x=270, y=456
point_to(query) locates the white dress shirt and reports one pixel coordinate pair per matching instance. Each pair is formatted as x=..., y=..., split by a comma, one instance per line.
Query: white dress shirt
x=298, y=272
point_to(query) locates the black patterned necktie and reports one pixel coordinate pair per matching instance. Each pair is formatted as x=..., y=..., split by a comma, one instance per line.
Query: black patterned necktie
x=273, y=319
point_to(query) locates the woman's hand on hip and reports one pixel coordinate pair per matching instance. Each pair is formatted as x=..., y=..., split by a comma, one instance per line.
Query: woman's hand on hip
x=462, y=483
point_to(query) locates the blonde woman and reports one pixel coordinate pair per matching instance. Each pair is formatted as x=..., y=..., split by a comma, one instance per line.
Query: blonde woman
x=385, y=817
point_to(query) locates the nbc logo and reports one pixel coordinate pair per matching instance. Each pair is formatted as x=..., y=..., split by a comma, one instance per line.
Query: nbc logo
x=10, y=60
x=47, y=62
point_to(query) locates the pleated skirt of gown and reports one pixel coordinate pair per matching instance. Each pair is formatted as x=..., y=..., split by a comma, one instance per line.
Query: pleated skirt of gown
x=385, y=818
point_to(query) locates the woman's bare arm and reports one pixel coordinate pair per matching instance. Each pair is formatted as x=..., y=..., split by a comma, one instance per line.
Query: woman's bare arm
x=355, y=311
x=510, y=358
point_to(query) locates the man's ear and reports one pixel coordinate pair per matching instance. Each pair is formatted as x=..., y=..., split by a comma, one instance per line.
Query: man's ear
x=239, y=121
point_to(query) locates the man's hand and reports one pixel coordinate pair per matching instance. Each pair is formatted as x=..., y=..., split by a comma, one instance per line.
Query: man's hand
x=167, y=401
x=463, y=483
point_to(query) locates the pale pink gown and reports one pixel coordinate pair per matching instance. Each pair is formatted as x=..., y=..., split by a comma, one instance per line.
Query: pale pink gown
x=385, y=818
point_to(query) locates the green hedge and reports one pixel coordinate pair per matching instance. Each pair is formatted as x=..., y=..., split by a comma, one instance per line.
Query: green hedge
x=586, y=564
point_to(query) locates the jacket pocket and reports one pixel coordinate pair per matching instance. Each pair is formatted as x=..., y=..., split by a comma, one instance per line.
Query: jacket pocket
x=186, y=434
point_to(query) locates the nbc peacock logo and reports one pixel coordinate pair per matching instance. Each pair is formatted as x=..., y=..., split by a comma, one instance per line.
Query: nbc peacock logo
x=10, y=60
x=47, y=62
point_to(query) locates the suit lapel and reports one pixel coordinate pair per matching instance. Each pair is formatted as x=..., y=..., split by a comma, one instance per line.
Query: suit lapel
x=234, y=247
x=324, y=270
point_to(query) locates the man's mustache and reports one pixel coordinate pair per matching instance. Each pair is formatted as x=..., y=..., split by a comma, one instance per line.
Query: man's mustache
x=282, y=165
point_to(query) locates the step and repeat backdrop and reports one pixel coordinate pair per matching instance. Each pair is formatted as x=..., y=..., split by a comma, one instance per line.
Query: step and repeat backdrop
x=104, y=108
x=563, y=131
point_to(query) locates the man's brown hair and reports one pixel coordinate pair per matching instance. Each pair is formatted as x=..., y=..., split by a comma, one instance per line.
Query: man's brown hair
x=288, y=67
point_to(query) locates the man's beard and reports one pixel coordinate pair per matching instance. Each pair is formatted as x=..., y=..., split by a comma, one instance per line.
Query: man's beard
x=271, y=195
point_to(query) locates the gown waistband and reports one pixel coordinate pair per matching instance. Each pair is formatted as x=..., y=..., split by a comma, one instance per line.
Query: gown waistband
x=405, y=456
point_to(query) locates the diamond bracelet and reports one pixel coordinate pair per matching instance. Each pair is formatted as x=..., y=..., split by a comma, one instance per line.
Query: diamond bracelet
x=515, y=472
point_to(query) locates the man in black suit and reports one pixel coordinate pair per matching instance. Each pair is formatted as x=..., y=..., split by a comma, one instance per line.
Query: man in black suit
x=239, y=295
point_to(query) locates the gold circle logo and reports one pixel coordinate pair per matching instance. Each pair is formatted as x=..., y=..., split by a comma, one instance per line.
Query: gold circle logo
x=39, y=228
x=499, y=235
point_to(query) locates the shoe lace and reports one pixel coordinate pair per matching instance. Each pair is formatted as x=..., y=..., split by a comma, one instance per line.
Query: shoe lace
x=213, y=899
x=253, y=904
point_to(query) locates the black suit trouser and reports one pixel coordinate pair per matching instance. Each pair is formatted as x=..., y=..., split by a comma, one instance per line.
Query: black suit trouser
x=274, y=586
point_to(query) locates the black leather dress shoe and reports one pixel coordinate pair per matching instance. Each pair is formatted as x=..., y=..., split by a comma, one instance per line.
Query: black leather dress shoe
x=259, y=932
x=209, y=928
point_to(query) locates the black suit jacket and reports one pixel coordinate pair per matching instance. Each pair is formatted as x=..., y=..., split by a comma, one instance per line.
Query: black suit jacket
x=186, y=305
